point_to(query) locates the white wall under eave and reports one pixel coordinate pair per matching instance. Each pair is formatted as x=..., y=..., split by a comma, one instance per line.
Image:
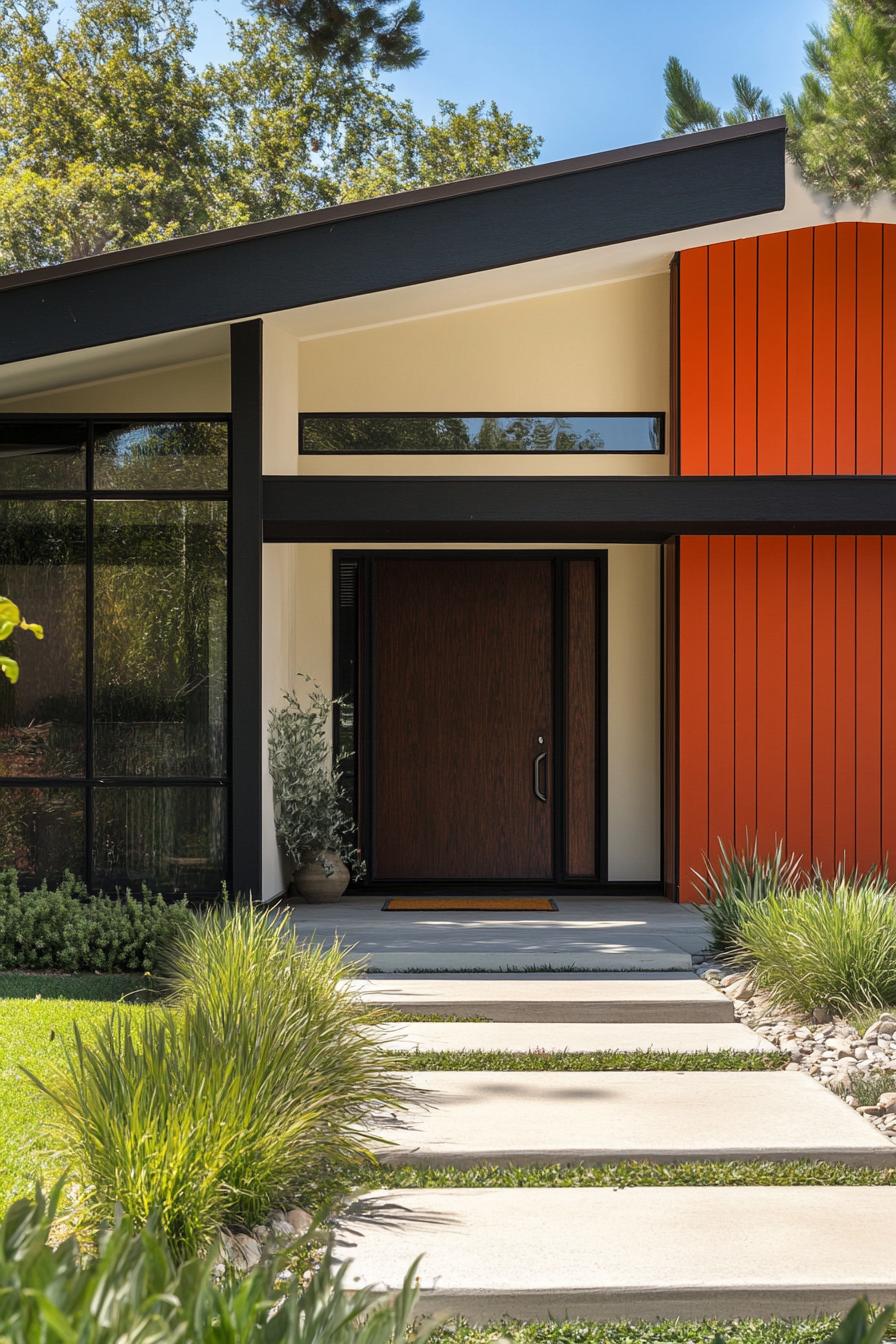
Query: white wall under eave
x=202, y=385
x=278, y=615
x=279, y=574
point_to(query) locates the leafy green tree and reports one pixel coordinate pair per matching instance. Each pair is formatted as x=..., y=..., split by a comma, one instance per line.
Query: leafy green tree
x=456, y=143
x=105, y=129
x=111, y=137
x=687, y=109
x=353, y=31
x=842, y=123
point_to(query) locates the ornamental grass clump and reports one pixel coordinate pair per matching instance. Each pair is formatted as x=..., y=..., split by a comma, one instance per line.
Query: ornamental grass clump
x=134, y=1289
x=737, y=881
x=829, y=945
x=225, y=1101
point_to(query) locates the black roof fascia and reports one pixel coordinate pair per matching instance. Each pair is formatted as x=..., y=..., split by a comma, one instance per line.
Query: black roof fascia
x=407, y=239
x=551, y=508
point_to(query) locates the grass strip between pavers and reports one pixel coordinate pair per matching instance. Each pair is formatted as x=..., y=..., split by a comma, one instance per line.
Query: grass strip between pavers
x=400, y=1015
x=373, y=1176
x=815, y=1330
x=588, y=1061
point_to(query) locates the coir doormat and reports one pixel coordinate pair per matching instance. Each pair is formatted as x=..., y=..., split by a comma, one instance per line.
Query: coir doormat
x=522, y=903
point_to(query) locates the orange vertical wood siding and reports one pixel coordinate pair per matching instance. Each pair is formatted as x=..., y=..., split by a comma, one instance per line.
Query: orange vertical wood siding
x=787, y=645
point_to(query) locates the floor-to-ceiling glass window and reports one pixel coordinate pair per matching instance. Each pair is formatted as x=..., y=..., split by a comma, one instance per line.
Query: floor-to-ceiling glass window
x=114, y=742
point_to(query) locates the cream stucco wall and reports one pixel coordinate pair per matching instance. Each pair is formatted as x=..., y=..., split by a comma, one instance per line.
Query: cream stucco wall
x=203, y=385
x=603, y=348
x=633, y=747
x=281, y=579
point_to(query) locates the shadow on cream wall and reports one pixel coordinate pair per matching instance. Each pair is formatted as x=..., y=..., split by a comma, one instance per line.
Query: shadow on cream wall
x=604, y=348
x=203, y=385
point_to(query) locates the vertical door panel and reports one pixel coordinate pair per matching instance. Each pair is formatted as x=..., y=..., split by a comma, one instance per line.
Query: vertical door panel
x=581, y=719
x=462, y=690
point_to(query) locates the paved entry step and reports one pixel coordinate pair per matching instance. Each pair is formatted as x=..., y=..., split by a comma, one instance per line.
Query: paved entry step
x=527, y=1118
x=523, y=1037
x=652, y=996
x=629, y=954
x=628, y=1254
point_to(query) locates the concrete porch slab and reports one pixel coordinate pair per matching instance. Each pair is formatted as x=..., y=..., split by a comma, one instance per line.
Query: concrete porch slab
x=528, y=1118
x=524, y=1037
x=627, y=1254
x=587, y=933
x=628, y=956
x=651, y=996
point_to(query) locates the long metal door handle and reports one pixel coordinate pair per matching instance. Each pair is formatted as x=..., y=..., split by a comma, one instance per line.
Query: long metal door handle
x=536, y=776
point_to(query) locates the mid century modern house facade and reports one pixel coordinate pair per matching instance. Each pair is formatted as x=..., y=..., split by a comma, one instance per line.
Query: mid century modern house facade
x=577, y=481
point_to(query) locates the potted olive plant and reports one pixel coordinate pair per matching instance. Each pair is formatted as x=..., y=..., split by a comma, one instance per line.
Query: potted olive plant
x=311, y=813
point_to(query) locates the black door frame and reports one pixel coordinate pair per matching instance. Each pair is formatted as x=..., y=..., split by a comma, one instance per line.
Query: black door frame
x=353, y=591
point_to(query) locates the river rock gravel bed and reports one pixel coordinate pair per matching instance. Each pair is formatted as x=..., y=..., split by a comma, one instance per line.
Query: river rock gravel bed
x=825, y=1046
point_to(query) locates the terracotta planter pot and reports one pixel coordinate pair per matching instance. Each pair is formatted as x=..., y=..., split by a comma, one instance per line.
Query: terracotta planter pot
x=314, y=885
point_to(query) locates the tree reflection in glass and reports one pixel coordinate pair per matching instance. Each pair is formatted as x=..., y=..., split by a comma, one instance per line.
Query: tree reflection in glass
x=42, y=832
x=42, y=455
x=160, y=646
x=170, y=455
x=169, y=836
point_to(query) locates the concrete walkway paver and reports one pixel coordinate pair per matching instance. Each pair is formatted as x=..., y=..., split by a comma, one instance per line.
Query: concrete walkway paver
x=525, y=1037
x=649, y=996
x=598, y=1254
x=521, y=1118
x=631, y=1254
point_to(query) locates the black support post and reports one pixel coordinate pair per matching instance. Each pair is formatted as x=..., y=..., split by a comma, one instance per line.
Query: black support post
x=245, y=607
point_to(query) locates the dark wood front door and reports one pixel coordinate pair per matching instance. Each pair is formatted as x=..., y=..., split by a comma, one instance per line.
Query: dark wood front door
x=462, y=718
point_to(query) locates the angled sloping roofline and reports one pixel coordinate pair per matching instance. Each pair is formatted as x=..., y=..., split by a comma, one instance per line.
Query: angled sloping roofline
x=399, y=200
x=407, y=238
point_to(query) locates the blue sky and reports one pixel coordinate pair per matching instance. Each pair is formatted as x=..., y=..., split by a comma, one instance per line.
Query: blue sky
x=587, y=74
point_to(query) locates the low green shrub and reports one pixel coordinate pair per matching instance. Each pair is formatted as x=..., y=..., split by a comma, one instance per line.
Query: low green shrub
x=223, y=1101
x=735, y=882
x=133, y=1289
x=65, y=928
x=829, y=945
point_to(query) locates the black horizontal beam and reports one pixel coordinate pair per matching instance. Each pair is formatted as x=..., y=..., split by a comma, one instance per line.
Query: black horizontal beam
x=401, y=240
x=570, y=508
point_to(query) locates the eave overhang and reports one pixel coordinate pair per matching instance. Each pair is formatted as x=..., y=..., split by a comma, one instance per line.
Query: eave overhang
x=410, y=238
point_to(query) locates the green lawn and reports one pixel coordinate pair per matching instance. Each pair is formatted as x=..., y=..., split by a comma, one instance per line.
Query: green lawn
x=36, y=1015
